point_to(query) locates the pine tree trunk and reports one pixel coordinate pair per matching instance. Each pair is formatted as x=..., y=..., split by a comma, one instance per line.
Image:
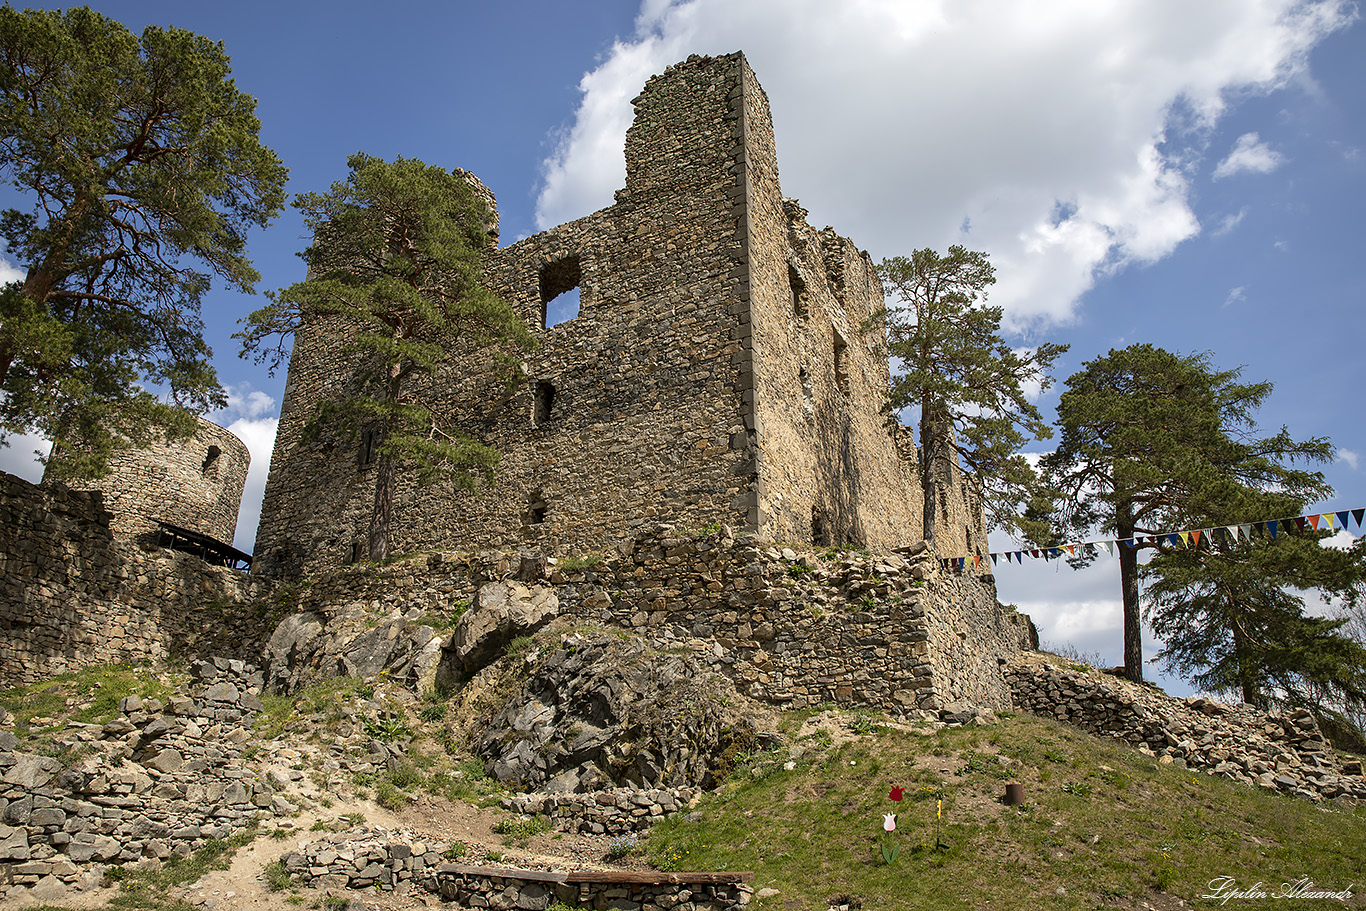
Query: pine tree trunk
x=1128, y=580
x=382, y=515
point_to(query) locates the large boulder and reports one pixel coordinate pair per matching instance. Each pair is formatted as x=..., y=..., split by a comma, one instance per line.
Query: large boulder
x=600, y=711
x=350, y=640
x=501, y=612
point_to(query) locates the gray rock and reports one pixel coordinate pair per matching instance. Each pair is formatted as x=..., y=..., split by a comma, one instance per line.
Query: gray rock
x=13, y=843
x=502, y=611
x=32, y=771
x=606, y=711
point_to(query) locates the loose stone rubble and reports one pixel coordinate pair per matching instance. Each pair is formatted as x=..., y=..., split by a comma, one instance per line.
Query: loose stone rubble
x=1277, y=752
x=161, y=780
x=611, y=811
x=375, y=858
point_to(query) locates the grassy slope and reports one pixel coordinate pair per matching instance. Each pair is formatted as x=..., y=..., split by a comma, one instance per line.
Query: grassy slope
x=1103, y=826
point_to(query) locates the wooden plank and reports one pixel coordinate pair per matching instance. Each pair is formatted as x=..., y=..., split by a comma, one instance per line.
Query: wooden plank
x=654, y=879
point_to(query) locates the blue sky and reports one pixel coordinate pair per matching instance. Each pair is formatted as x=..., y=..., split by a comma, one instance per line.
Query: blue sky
x=1190, y=175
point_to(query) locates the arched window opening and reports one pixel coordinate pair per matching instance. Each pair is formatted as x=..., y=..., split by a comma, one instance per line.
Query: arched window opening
x=210, y=466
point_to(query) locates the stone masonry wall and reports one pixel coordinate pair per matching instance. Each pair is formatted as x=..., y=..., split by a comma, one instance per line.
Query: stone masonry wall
x=791, y=628
x=1285, y=752
x=73, y=595
x=195, y=484
x=695, y=386
x=160, y=780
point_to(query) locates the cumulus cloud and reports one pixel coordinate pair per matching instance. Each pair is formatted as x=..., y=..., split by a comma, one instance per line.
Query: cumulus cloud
x=1348, y=456
x=1056, y=135
x=1250, y=155
x=9, y=272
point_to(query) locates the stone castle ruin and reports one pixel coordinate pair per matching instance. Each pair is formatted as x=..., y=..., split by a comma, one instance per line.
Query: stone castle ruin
x=715, y=403
x=194, y=484
x=718, y=372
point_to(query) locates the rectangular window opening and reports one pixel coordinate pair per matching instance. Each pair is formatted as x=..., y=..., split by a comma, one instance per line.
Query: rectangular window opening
x=560, y=295
x=841, y=362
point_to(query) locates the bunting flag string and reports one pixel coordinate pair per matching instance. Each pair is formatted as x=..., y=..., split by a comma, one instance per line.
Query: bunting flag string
x=1217, y=537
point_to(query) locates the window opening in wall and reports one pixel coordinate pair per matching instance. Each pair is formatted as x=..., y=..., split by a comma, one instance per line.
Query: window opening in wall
x=820, y=528
x=357, y=552
x=800, y=300
x=560, y=282
x=543, y=401
x=536, y=508
x=841, y=362
x=211, y=460
x=369, y=447
x=808, y=404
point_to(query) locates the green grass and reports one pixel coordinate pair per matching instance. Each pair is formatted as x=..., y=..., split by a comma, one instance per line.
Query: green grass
x=95, y=694
x=1103, y=826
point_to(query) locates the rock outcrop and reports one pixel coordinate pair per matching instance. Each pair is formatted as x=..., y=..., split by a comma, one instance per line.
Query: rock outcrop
x=605, y=710
x=502, y=611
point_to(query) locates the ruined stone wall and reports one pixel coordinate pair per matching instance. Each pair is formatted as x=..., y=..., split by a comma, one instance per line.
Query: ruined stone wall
x=195, y=484
x=73, y=595
x=644, y=420
x=719, y=371
x=790, y=627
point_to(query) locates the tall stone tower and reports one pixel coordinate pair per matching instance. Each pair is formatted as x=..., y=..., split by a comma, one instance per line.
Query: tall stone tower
x=718, y=371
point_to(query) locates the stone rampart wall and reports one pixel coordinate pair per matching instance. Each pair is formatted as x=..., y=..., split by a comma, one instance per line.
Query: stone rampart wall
x=73, y=595
x=791, y=628
x=1278, y=752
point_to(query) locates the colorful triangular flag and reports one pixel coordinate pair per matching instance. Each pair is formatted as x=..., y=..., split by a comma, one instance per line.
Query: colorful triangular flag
x=1109, y=547
x=1342, y=518
x=1314, y=521
x=1358, y=514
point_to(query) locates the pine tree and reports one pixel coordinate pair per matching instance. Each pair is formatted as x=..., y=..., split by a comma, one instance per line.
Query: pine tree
x=397, y=256
x=1153, y=441
x=144, y=165
x=951, y=364
x=1231, y=613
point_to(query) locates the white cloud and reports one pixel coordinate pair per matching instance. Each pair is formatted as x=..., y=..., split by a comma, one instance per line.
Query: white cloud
x=1236, y=295
x=1229, y=222
x=1249, y=154
x=253, y=417
x=1348, y=456
x=1061, y=132
x=9, y=272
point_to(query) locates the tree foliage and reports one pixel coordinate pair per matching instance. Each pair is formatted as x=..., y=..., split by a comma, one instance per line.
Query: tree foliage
x=1153, y=441
x=144, y=166
x=968, y=386
x=1232, y=613
x=397, y=257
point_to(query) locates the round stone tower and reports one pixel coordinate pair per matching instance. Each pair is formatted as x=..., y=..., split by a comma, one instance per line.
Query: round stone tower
x=194, y=484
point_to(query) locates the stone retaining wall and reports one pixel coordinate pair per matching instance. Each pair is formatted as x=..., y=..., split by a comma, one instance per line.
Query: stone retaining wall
x=72, y=595
x=791, y=628
x=364, y=859
x=613, y=811
x=160, y=781
x=1277, y=752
